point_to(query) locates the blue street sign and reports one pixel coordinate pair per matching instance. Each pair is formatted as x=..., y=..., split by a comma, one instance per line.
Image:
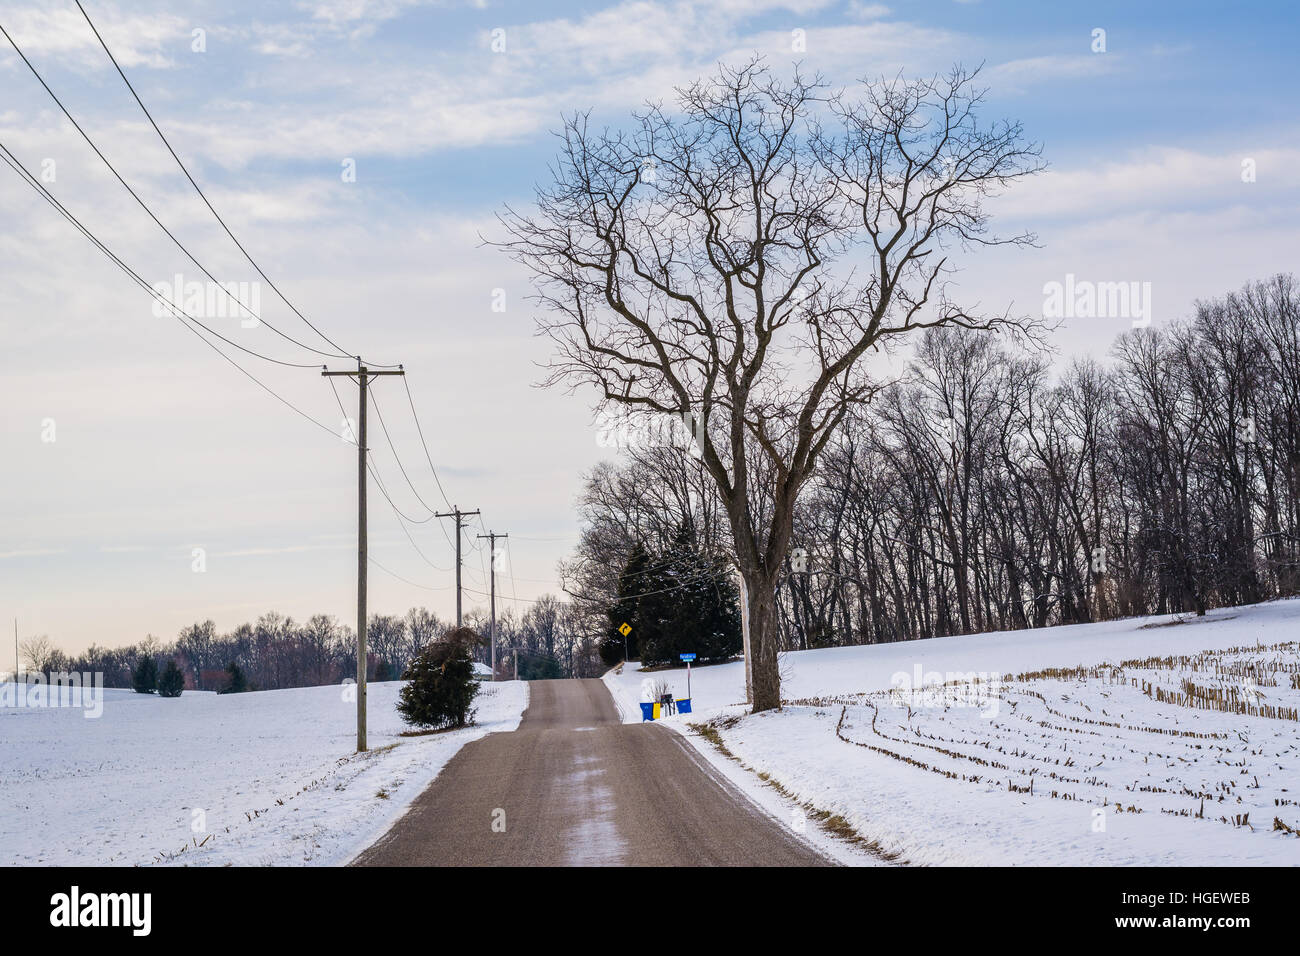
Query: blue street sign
x=687, y=657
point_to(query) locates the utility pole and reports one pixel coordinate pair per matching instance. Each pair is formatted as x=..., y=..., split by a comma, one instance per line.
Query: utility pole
x=456, y=513
x=492, y=540
x=363, y=376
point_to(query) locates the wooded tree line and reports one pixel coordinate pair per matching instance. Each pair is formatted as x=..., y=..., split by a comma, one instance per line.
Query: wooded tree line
x=974, y=492
x=276, y=652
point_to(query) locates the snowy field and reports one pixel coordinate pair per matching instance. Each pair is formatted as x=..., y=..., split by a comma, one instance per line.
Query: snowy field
x=244, y=779
x=1162, y=741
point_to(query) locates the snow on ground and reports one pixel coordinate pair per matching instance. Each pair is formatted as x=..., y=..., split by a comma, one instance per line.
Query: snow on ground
x=1184, y=756
x=244, y=779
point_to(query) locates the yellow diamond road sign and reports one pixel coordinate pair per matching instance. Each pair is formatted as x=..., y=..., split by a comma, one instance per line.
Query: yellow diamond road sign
x=626, y=629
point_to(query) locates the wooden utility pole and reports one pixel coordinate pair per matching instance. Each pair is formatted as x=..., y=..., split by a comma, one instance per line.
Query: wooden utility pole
x=492, y=539
x=363, y=376
x=456, y=513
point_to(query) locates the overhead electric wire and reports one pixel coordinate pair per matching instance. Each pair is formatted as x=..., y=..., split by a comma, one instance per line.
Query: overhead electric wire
x=420, y=430
x=474, y=546
x=145, y=206
x=394, y=574
x=407, y=531
x=373, y=470
x=203, y=196
x=483, y=567
x=510, y=557
x=189, y=321
x=186, y=320
x=17, y=166
x=374, y=402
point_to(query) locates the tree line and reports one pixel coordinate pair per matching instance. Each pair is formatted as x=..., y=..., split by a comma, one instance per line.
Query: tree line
x=276, y=652
x=982, y=490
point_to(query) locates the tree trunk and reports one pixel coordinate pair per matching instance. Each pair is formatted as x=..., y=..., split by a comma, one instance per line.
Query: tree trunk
x=766, y=673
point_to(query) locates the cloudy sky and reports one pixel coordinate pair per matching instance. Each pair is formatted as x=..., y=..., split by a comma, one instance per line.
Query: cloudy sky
x=128, y=444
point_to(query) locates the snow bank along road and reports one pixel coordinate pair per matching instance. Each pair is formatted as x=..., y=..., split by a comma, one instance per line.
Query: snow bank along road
x=575, y=786
x=1166, y=741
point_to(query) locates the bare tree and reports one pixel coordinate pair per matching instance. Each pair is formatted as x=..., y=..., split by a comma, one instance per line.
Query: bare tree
x=36, y=654
x=734, y=261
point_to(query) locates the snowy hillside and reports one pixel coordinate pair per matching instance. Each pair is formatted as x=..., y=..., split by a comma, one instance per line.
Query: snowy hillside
x=258, y=778
x=1156, y=741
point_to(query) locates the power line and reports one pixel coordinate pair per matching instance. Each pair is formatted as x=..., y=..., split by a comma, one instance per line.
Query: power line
x=510, y=557
x=479, y=549
x=204, y=197
x=186, y=320
x=373, y=468
x=145, y=206
x=394, y=574
x=367, y=457
x=402, y=518
x=420, y=430
x=396, y=457
x=17, y=166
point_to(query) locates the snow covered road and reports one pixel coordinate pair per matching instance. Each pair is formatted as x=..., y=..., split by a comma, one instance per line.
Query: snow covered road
x=574, y=786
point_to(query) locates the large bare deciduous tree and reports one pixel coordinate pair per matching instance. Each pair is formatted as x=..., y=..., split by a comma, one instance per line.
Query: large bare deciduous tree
x=734, y=259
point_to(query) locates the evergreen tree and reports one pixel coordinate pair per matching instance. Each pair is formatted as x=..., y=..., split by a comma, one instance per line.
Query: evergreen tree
x=171, y=682
x=625, y=610
x=144, y=677
x=442, y=685
x=691, y=605
x=677, y=601
x=235, y=681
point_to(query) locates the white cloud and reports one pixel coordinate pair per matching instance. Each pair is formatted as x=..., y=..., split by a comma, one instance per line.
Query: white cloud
x=135, y=39
x=866, y=11
x=1022, y=75
x=1153, y=178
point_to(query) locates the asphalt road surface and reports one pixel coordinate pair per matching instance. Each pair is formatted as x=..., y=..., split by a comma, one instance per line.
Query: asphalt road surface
x=573, y=786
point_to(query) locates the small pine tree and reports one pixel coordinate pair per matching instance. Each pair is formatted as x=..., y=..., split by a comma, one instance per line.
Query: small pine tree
x=631, y=584
x=144, y=678
x=171, y=682
x=690, y=605
x=235, y=682
x=442, y=685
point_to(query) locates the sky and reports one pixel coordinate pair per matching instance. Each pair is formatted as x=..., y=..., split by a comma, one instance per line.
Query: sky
x=129, y=446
